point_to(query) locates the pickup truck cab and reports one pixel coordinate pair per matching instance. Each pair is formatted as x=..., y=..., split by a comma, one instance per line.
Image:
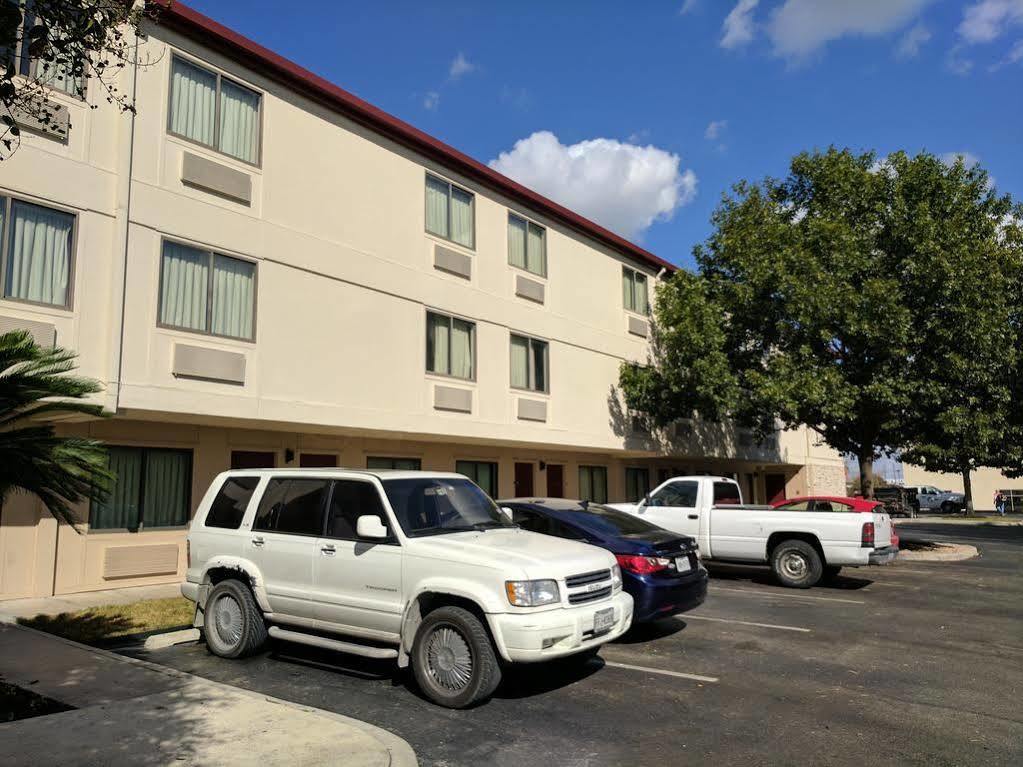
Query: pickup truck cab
x=802, y=547
x=415, y=566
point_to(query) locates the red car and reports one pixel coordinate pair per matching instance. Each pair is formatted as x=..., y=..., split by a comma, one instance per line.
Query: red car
x=826, y=503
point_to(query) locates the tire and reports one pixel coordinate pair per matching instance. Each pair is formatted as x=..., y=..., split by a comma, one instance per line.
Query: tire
x=233, y=625
x=947, y=507
x=831, y=572
x=453, y=659
x=796, y=564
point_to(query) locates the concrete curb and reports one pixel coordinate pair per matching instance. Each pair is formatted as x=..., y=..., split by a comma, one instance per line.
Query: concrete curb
x=947, y=552
x=976, y=521
x=400, y=753
x=169, y=639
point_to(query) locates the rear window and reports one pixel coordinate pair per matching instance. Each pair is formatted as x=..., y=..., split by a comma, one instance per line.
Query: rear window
x=605, y=521
x=726, y=493
x=232, y=499
x=294, y=506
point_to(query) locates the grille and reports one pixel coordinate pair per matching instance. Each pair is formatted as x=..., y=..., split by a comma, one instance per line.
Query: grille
x=575, y=581
x=589, y=596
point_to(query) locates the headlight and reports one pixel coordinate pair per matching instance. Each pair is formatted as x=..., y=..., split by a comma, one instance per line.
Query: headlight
x=532, y=593
x=616, y=577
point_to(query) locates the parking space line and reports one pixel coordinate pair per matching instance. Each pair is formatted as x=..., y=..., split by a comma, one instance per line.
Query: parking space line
x=689, y=616
x=664, y=672
x=763, y=592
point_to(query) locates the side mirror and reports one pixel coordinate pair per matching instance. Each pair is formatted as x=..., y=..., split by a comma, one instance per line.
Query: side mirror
x=369, y=526
x=507, y=513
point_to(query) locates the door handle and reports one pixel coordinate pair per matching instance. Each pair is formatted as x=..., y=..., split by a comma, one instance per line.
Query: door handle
x=694, y=516
x=329, y=549
x=258, y=540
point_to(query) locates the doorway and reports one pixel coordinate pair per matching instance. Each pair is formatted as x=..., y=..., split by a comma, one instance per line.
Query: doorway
x=555, y=480
x=523, y=480
x=774, y=484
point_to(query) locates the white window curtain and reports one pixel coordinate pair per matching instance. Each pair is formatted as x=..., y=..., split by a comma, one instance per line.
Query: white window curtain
x=461, y=348
x=184, y=286
x=628, y=294
x=535, y=250
x=239, y=121
x=437, y=336
x=119, y=509
x=49, y=73
x=437, y=206
x=516, y=242
x=165, y=501
x=461, y=217
x=39, y=254
x=520, y=362
x=193, y=102
x=233, y=297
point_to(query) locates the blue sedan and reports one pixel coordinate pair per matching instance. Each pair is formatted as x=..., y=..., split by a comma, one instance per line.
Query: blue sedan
x=660, y=569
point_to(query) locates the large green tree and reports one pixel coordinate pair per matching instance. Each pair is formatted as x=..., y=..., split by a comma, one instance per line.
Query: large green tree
x=815, y=300
x=36, y=387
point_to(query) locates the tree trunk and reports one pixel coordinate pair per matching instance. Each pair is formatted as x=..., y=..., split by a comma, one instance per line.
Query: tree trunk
x=867, y=474
x=968, y=491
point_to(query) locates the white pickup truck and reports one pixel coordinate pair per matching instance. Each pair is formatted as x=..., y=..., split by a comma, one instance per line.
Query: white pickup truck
x=802, y=547
x=419, y=567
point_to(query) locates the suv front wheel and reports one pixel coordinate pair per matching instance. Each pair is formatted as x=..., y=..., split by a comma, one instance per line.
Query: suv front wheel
x=233, y=623
x=453, y=660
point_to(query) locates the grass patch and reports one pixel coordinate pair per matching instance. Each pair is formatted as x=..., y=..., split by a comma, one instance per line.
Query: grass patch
x=98, y=625
x=18, y=703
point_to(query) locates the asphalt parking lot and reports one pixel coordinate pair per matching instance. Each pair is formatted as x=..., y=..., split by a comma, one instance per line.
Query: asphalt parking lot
x=915, y=663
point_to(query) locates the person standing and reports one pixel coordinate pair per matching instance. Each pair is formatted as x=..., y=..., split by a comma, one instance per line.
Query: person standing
x=999, y=503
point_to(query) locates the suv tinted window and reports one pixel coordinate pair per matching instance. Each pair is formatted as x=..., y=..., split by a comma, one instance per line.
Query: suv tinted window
x=352, y=499
x=232, y=499
x=292, y=506
x=726, y=493
x=676, y=494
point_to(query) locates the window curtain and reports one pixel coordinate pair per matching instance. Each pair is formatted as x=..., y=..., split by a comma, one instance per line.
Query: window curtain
x=183, y=290
x=640, y=291
x=165, y=500
x=437, y=206
x=516, y=242
x=39, y=254
x=535, y=251
x=486, y=478
x=585, y=484
x=119, y=509
x=599, y=484
x=539, y=366
x=233, y=294
x=519, y=362
x=628, y=296
x=461, y=217
x=55, y=76
x=239, y=121
x=461, y=348
x=437, y=337
x=193, y=102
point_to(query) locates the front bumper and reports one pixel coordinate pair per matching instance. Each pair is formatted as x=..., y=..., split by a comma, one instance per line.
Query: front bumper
x=883, y=556
x=190, y=591
x=660, y=598
x=521, y=637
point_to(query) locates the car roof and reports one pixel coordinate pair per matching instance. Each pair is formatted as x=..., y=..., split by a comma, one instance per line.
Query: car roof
x=339, y=471
x=837, y=498
x=554, y=504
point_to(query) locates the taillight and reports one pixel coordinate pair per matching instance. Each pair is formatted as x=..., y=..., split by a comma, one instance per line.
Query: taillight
x=642, y=565
x=867, y=540
x=188, y=553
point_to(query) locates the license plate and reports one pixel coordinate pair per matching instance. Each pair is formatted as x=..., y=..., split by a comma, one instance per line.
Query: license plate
x=682, y=564
x=603, y=620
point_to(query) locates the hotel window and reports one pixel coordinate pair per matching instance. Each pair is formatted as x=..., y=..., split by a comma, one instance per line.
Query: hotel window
x=207, y=292
x=214, y=111
x=637, y=483
x=38, y=253
x=593, y=483
x=450, y=211
x=450, y=346
x=152, y=488
x=400, y=464
x=483, y=473
x=634, y=290
x=527, y=245
x=48, y=73
x=529, y=364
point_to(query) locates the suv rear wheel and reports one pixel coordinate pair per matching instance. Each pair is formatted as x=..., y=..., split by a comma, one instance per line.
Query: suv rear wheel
x=796, y=564
x=233, y=623
x=453, y=660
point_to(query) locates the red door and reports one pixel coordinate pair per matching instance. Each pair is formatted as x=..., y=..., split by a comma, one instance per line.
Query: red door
x=555, y=480
x=523, y=480
x=775, y=486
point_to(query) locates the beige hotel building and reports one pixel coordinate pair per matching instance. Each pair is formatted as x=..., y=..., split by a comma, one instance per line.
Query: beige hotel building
x=264, y=270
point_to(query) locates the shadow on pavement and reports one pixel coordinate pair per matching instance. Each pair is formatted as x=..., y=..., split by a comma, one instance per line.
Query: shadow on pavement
x=720, y=571
x=648, y=632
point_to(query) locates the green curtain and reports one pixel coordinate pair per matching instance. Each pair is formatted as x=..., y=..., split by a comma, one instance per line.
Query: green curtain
x=39, y=254
x=520, y=362
x=239, y=121
x=516, y=241
x=438, y=329
x=536, y=252
x=539, y=382
x=165, y=501
x=585, y=484
x=193, y=102
x=461, y=217
x=628, y=296
x=482, y=473
x=233, y=293
x=461, y=348
x=437, y=206
x=120, y=508
x=640, y=291
x=184, y=286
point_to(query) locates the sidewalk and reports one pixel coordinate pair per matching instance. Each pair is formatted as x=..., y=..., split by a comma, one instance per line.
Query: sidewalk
x=987, y=518
x=130, y=711
x=12, y=609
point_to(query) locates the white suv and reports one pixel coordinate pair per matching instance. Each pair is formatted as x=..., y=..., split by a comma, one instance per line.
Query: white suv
x=416, y=566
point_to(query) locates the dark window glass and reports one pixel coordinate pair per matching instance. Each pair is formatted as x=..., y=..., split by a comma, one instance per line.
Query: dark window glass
x=482, y=473
x=637, y=484
x=676, y=494
x=530, y=520
x=605, y=521
x=726, y=493
x=434, y=506
x=232, y=499
x=152, y=488
x=593, y=483
x=403, y=464
x=350, y=500
x=292, y=506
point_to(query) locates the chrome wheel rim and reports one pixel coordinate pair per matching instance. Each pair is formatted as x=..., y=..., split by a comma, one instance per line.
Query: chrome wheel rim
x=794, y=565
x=448, y=659
x=227, y=617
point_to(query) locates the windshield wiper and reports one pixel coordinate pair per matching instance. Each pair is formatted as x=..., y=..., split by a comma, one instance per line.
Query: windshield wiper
x=491, y=524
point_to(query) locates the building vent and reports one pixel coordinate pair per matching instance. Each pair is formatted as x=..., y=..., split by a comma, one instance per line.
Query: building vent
x=213, y=177
x=452, y=262
x=44, y=333
x=639, y=327
x=209, y=364
x=530, y=289
x=140, y=561
x=532, y=410
x=450, y=398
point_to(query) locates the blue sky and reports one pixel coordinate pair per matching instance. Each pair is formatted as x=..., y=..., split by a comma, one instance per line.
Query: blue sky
x=647, y=112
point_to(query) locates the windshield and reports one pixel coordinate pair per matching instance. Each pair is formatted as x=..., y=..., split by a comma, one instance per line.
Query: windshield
x=434, y=505
x=602, y=520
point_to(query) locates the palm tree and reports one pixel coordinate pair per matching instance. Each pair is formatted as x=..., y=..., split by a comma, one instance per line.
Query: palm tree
x=35, y=387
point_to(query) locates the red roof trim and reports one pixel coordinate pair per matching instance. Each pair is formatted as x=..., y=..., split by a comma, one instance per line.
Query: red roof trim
x=193, y=24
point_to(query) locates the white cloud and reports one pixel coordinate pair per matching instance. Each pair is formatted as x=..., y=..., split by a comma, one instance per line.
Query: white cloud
x=984, y=21
x=799, y=27
x=969, y=158
x=911, y=42
x=1014, y=56
x=431, y=101
x=714, y=128
x=621, y=186
x=460, y=66
x=738, y=26
x=688, y=7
